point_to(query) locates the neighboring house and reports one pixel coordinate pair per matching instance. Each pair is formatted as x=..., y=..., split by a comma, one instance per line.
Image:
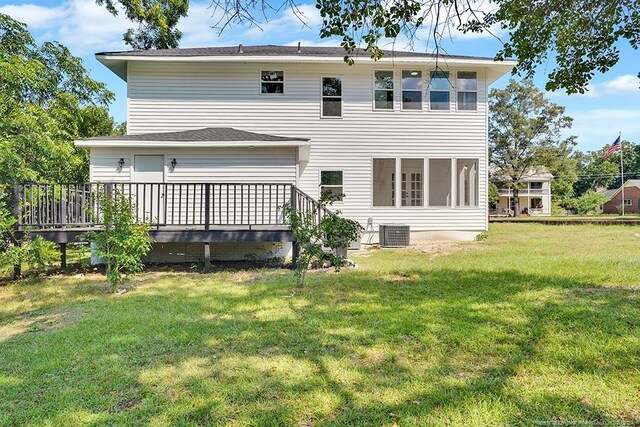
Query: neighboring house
x=534, y=197
x=614, y=198
x=398, y=140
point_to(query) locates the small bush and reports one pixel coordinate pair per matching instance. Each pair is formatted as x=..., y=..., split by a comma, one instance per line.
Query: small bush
x=37, y=254
x=320, y=241
x=122, y=243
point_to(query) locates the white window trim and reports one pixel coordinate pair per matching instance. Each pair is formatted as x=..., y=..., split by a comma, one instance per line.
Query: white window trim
x=284, y=84
x=630, y=202
x=322, y=116
x=410, y=90
x=344, y=193
x=466, y=91
x=429, y=92
x=393, y=91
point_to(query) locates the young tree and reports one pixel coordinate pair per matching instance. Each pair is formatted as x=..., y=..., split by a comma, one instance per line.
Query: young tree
x=493, y=195
x=524, y=132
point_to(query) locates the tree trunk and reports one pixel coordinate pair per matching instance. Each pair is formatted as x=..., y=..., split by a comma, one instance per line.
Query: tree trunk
x=516, y=202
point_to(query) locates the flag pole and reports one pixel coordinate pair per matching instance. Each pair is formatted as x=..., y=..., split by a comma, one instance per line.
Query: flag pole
x=621, y=172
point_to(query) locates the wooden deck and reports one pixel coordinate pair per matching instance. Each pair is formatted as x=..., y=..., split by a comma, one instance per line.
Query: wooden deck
x=181, y=213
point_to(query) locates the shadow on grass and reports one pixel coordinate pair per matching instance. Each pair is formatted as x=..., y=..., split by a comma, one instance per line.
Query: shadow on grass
x=416, y=348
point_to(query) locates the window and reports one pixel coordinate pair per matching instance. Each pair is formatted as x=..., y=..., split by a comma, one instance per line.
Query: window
x=411, y=90
x=383, y=90
x=628, y=202
x=467, y=182
x=272, y=82
x=331, y=185
x=384, y=182
x=467, y=87
x=535, y=186
x=332, y=97
x=439, y=90
x=536, y=203
x=412, y=182
x=439, y=182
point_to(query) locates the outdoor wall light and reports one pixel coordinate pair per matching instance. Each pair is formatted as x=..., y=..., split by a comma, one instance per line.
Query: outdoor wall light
x=174, y=163
x=120, y=163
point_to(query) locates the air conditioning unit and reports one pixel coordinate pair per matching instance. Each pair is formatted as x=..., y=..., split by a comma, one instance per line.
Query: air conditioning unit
x=394, y=235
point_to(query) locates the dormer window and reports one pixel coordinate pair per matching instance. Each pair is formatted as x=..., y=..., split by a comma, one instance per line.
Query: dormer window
x=272, y=82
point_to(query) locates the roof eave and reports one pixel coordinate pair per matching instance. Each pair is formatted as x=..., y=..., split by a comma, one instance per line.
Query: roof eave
x=115, y=143
x=104, y=58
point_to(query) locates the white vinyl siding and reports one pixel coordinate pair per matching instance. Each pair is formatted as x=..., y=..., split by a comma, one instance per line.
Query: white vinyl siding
x=175, y=96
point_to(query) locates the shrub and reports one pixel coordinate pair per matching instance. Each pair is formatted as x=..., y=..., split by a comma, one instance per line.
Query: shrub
x=122, y=243
x=589, y=202
x=320, y=241
x=37, y=254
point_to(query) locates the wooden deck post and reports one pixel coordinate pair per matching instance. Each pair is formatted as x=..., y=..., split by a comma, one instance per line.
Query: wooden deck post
x=17, y=268
x=63, y=256
x=207, y=202
x=207, y=257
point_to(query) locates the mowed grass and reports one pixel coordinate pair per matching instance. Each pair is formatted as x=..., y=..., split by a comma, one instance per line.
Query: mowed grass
x=537, y=325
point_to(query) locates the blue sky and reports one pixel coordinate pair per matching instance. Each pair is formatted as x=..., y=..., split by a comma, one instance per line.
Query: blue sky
x=611, y=105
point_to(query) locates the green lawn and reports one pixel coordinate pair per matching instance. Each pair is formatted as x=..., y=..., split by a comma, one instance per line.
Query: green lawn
x=537, y=325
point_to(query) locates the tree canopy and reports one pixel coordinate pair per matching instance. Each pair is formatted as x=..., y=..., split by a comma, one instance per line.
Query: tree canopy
x=156, y=19
x=47, y=100
x=576, y=38
x=525, y=132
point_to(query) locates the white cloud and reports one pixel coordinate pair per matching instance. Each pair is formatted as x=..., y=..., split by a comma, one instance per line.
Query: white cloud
x=621, y=84
x=33, y=15
x=598, y=127
x=626, y=84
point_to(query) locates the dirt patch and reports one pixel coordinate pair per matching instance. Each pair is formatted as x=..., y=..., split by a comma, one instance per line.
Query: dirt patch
x=40, y=322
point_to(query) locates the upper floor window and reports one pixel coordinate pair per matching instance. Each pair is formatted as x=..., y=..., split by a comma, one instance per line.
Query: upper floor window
x=272, y=82
x=383, y=90
x=467, y=86
x=535, y=185
x=332, y=96
x=411, y=90
x=439, y=86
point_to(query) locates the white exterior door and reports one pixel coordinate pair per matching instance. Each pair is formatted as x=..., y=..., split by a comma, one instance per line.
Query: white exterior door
x=149, y=189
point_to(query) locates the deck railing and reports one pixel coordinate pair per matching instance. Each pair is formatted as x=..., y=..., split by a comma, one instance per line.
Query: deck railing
x=182, y=205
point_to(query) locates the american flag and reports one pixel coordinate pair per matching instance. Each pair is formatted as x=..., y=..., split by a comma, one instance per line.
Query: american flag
x=615, y=147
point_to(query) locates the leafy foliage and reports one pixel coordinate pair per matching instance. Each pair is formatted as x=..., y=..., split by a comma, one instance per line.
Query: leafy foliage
x=579, y=37
x=47, y=100
x=589, y=202
x=596, y=171
x=525, y=132
x=156, y=19
x=38, y=254
x=122, y=243
x=322, y=240
x=494, y=194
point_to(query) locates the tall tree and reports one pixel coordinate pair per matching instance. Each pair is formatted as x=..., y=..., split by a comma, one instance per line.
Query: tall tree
x=597, y=172
x=156, y=19
x=524, y=133
x=47, y=99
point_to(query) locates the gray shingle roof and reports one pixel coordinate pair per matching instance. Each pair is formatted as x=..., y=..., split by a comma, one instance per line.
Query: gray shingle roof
x=273, y=50
x=194, y=135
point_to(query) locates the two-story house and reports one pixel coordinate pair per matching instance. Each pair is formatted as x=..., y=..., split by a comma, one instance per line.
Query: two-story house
x=398, y=140
x=534, y=196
